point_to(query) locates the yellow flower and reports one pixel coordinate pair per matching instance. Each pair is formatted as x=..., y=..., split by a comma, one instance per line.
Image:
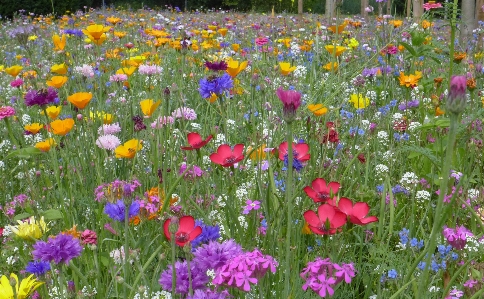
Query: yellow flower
x=338, y=51
x=149, y=106
x=318, y=109
x=234, y=67
x=32, y=37
x=212, y=98
x=45, y=145
x=53, y=111
x=14, y=70
x=62, y=127
x=359, y=102
x=129, y=149
x=120, y=34
x=60, y=69
x=126, y=70
x=59, y=42
x=22, y=291
x=80, y=99
x=235, y=47
x=222, y=31
x=331, y=66
x=113, y=20
x=57, y=81
x=30, y=229
x=95, y=32
x=33, y=128
x=107, y=118
x=353, y=43
x=410, y=80
x=258, y=154
x=286, y=68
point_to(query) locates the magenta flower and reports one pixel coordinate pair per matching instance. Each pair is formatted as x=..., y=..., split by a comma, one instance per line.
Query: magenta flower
x=291, y=100
x=429, y=6
x=345, y=271
x=456, y=100
x=251, y=205
x=457, y=237
x=325, y=285
x=6, y=111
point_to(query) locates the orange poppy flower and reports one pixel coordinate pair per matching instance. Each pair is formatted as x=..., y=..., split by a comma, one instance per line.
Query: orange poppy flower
x=59, y=42
x=57, y=81
x=126, y=70
x=223, y=31
x=338, y=50
x=438, y=111
x=410, y=80
x=317, y=109
x=286, y=68
x=14, y=70
x=53, y=111
x=337, y=29
x=45, y=145
x=331, y=66
x=149, y=106
x=80, y=99
x=62, y=127
x=129, y=149
x=95, y=32
x=113, y=20
x=234, y=67
x=33, y=128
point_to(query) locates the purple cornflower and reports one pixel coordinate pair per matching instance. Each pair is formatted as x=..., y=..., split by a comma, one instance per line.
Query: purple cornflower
x=214, y=255
x=457, y=237
x=199, y=277
x=251, y=205
x=116, y=210
x=216, y=65
x=58, y=249
x=209, y=233
x=41, y=97
x=38, y=268
x=217, y=85
x=209, y=294
x=74, y=32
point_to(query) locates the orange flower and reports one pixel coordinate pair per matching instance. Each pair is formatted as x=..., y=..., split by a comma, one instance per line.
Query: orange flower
x=410, y=80
x=72, y=232
x=235, y=47
x=458, y=56
x=80, y=99
x=258, y=154
x=45, y=145
x=286, y=68
x=317, y=109
x=60, y=69
x=129, y=149
x=57, y=81
x=30, y=74
x=471, y=84
x=331, y=49
x=62, y=127
x=14, y=70
x=396, y=23
x=337, y=29
x=438, y=111
x=33, y=128
x=331, y=66
x=120, y=34
x=149, y=106
x=222, y=31
x=426, y=24
x=234, y=67
x=113, y=20
x=59, y=42
x=126, y=70
x=95, y=32
x=53, y=111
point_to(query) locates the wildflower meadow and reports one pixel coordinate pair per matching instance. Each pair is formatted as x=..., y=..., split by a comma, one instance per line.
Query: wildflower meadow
x=156, y=153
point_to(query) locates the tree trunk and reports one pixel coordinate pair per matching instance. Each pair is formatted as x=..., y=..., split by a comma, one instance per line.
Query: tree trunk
x=408, y=8
x=300, y=7
x=329, y=10
x=364, y=5
x=468, y=14
x=479, y=12
x=389, y=7
x=417, y=9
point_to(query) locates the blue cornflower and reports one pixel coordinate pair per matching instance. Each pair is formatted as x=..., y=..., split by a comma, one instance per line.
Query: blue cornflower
x=209, y=233
x=421, y=265
x=414, y=242
x=434, y=266
x=296, y=164
x=399, y=189
x=454, y=256
x=116, y=210
x=353, y=130
x=404, y=236
x=38, y=268
x=393, y=103
x=361, y=132
x=392, y=273
x=217, y=85
x=380, y=188
x=443, y=265
x=75, y=32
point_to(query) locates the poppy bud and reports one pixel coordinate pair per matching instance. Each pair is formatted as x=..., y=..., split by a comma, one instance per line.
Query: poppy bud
x=456, y=100
x=174, y=224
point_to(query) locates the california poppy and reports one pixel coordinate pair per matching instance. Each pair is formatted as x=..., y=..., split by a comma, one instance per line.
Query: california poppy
x=286, y=68
x=234, y=67
x=337, y=29
x=45, y=145
x=33, y=128
x=128, y=149
x=196, y=141
x=320, y=191
x=337, y=51
x=59, y=42
x=327, y=221
x=149, y=106
x=80, y=99
x=53, y=111
x=227, y=157
x=356, y=213
x=60, y=69
x=317, y=109
x=187, y=231
x=62, y=127
x=14, y=70
x=410, y=80
x=95, y=32
x=57, y=81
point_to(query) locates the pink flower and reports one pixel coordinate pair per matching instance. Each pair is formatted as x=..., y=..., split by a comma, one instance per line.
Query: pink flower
x=108, y=142
x=17, y=82
x=89, y=237
x=260, y=41
x=429, y=6
x=227, y=157
x=6, y=111
x=251, y=205
x=291, y=100
x=356, y=213
x=456, y=99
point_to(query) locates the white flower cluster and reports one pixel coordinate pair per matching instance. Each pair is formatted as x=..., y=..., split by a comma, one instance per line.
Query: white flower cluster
x=118, y=255
x=382, y=137
x=414, y=125
x=146, y=294
x=422, y=196
x=219, y=139
x=409, y=179
x=371, y=94
x=241, y=193
x=300, y=71
x=474, y=245
x=242, y=221
x=231, y=124
x=471, y=193
x=381, y=169
x=397, y=116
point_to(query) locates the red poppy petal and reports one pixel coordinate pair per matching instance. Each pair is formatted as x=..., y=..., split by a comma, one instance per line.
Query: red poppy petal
x=368, y=220
x=302, y=149
x=238, y=150
x=208, y=139
x=194, y=138
x=166, y=225
x=311, y=193
x=345, y=205
x=334, y=186
x=282, y=150
x=326, y=211
x=319, y=185
x=187, y=223
x=304, y=158
x=224, y=151
x=338, y=220
x=360, y=210
x=195, y=233
x=318, y=231
x=312, y=218
x=217, y=159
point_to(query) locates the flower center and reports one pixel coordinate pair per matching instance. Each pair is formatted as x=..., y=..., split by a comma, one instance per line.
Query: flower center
x=182, y=237
x=230, y=160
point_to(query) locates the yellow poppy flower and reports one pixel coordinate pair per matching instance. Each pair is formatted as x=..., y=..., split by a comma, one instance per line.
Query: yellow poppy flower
x=318, y=109
x=60, y=69
x=359, y=102
x=107, y=118
x=234, y=67
x=30, y=229
x=22, y=291
x=62, y=127
x=80, y=99
x=113, y=20
x=33, y=128
x=53, y=111
x=45, y=145
x=258, y=154
x=331, y=66
x=95, y=32
x=128, y=149
x=235, y=47
x=338, y=50
x=149, y=106
x=59, y=42
x=14, y=70
x=57, y=81
x=126, y=70
x=223, y=31
x=286, y=68
x=120, y=34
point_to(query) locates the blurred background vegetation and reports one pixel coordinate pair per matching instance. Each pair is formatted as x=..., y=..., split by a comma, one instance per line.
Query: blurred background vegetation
x=350, y=7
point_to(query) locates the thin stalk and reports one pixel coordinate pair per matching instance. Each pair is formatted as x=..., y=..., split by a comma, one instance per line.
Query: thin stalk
x=289, y=203
x=173, y=261
x=126, y=249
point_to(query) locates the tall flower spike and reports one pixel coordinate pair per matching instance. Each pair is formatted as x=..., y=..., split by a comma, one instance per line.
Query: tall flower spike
x=456, y=101
x=291, y=100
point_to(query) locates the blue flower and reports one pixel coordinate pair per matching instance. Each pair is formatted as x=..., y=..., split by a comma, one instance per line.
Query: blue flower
x=209, y=233
x=392, y=273
x=116, y=210
x=38, y=268
x=216, y=85
x=404, y=236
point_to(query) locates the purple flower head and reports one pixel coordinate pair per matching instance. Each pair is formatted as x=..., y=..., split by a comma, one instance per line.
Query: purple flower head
x=38, y=268
x=251, y=205
x=291, y=101
x=61, y=248
x=456, y=99
x=116, y=210
x=209, y=294
x=199, y=277
x=209, y=233
x=457, y=237
x=41, y=97
x=217, y=85
x=214, y=255
x=216, y=65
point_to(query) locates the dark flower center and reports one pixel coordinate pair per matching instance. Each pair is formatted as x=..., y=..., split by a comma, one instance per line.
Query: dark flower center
x=230, y=160
x=182, y=237
x=322, y=196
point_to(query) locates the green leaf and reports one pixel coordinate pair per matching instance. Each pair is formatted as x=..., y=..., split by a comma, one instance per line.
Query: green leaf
x=52, y=214
x=439, y=122
x=21, y=216
x=24, y=153
x=409, y=49
x=416, y=151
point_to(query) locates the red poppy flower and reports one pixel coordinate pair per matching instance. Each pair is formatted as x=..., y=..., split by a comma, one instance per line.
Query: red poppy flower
x=227, y=157
x=356, y=213
x=331, y=135
x=300, y=151
x=320, y=191
x=186, y=230
x=196, y=141
x=327, y=221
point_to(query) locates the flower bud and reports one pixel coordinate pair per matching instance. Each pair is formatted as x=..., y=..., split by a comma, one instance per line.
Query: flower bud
x=174, y=224
x=456, y=100
x=291, y=100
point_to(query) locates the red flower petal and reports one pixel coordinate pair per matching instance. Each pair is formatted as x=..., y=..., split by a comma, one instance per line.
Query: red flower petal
x=166, y=225
x=238, y=151
x=326, y=212
x=338, y=220
x=195, y=233
x=194, y=139
x=312, y=218
x=187, y=223
x=282, y=150
x=345, y=205
x=360, y=210
x=311, y=193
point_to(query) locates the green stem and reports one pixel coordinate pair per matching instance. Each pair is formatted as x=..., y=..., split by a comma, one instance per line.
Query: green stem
x=126, y=249
x=436, y=228
x=173, y=261
x=289, y=203
x=453, y=28
x=10, y=134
